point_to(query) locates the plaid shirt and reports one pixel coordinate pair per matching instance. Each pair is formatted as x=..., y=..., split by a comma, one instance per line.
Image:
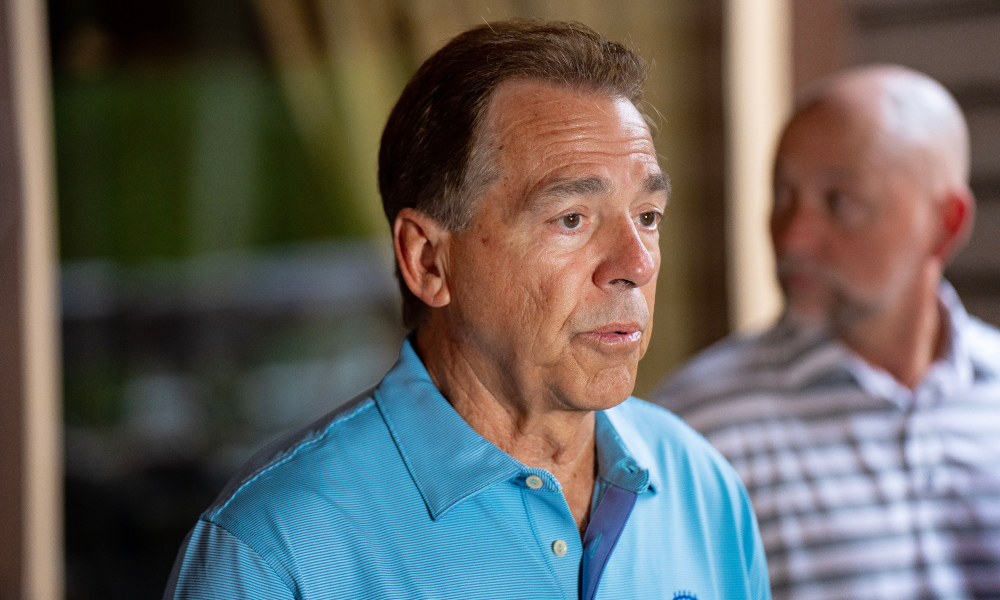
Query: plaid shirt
x=862, y=487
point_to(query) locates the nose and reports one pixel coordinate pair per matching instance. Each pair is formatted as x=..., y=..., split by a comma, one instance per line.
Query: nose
x=629, y=261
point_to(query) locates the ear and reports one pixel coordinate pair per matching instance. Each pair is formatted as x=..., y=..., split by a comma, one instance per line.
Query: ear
x=421, y=246
x=957, y=213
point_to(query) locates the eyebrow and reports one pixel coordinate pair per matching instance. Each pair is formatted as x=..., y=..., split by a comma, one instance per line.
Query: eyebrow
x=657, y=182
x=585, y=186
x=591, y=186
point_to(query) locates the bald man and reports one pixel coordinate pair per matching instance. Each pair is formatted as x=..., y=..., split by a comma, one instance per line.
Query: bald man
x=865, y=423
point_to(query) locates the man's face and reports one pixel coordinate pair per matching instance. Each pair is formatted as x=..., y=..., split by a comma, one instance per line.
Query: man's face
x=852, y=225
x=552, y=284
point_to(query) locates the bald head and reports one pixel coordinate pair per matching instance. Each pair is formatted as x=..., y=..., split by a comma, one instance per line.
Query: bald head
x=871, y=195
x=911, y=117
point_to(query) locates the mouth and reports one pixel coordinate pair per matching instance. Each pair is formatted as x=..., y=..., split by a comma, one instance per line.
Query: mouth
x=615, y=334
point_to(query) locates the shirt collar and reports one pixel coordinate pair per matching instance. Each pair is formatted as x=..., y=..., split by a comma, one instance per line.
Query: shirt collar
x=447, y=459
x=449, y=462
x=957, y=356
x=616, y=463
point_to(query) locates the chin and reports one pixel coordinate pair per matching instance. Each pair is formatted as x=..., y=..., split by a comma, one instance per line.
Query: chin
x=610, y=387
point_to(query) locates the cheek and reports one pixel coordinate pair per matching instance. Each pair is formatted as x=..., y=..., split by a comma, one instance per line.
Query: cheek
x=497, y=287
x=880, y=260
x=477, y=275
x=863, y=266
x=903, y=238
x=556, y=287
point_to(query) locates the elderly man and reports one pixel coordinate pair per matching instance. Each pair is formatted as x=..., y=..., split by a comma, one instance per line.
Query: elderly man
x=866, y=423
x=501, y=457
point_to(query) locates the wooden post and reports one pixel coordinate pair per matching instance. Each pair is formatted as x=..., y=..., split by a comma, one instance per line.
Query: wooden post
x=31, y=554
x=758, y=93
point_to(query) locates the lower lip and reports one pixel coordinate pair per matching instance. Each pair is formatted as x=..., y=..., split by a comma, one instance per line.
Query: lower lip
x=613, y=338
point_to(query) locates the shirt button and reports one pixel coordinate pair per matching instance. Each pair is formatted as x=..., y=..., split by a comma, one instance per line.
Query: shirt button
x=559, y=548
x=534, y=481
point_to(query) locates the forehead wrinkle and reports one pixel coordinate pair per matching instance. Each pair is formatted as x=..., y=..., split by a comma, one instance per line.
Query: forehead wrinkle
x=550, y=127
x=562, y=125
x=565, y=123
x=554, y=130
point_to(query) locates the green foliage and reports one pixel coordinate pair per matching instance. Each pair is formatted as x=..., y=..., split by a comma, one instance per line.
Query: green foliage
x=137, y=151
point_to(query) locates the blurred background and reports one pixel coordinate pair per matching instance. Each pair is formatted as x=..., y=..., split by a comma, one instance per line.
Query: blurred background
x=223, y=266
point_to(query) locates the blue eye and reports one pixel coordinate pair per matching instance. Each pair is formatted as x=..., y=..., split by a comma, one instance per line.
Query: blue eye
x=571, y=221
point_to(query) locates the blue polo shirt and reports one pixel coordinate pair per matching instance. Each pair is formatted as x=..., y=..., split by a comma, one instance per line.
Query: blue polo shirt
x=395, y=496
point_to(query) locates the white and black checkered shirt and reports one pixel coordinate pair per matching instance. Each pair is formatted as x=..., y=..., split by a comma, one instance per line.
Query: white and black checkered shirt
x=862, y=487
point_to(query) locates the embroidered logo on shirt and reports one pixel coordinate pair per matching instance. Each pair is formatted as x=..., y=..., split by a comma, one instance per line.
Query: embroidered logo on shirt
x=682, y=595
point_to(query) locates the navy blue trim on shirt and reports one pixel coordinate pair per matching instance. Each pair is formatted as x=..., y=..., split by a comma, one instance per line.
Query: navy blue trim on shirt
x=602, y=535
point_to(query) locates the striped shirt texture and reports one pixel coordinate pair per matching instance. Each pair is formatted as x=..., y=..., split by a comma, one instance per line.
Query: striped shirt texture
x=863, y=488
x=396, y=496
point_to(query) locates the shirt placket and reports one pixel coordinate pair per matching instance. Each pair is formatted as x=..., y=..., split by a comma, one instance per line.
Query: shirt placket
x=555, y=530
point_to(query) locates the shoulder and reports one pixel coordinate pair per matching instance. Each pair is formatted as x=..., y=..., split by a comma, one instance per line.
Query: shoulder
x=282, y=474
x=734, y=362
x=780, y=358
x=286, y=505
x=746, y=381
x=740, y=355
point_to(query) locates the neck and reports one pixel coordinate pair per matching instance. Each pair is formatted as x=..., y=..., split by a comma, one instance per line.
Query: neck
x=519, y=421
x=904, y=341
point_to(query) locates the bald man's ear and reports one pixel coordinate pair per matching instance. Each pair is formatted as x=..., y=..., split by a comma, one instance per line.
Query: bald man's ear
x=421, y=246
x=957, y=213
